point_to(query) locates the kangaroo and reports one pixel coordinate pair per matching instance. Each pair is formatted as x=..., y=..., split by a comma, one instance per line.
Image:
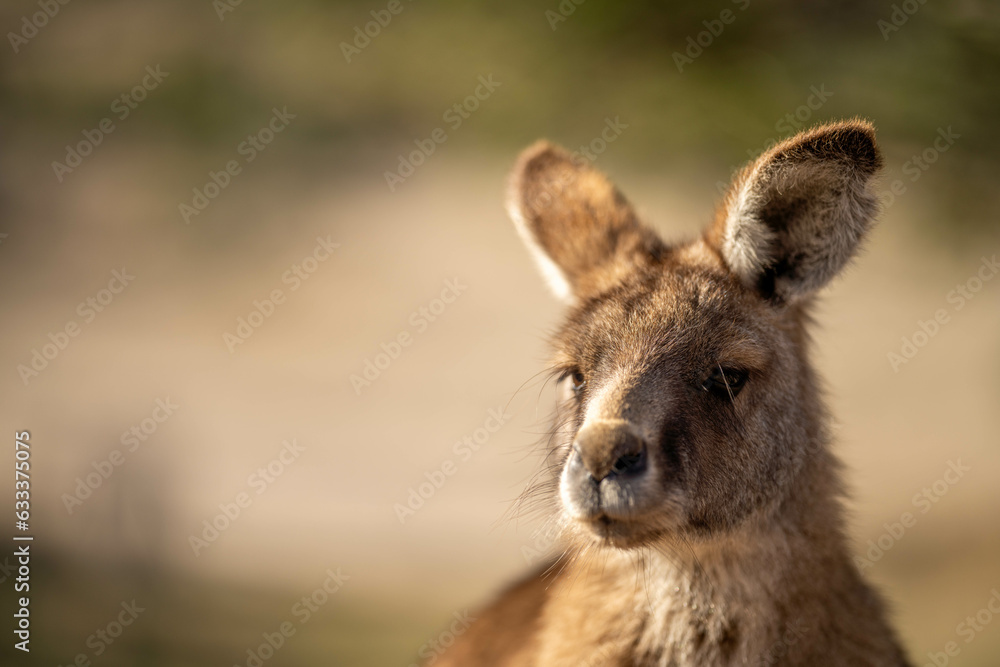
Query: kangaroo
x=689, y=473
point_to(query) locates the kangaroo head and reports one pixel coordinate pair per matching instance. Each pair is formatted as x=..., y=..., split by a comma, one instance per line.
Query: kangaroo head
x=687, y=403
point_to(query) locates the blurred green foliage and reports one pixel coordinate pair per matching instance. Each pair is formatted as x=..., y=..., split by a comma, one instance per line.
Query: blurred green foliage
x=184, y=621
x=940, y=68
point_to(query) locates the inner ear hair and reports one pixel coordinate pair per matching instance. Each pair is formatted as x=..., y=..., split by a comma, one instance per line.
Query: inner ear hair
x=795, y=216
x=582, y=232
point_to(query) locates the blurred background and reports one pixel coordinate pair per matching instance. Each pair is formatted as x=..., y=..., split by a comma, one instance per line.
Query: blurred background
x=314, y=313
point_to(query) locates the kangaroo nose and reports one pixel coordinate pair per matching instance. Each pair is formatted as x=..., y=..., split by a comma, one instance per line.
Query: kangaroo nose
x=610, y=449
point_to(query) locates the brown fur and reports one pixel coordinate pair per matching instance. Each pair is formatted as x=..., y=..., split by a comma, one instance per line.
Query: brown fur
x=690, y=469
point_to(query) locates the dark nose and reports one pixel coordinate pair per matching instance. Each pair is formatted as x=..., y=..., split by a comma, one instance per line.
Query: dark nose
x=609, y=449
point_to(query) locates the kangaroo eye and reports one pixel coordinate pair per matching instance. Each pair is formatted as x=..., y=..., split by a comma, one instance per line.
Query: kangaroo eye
x=725, y=382
x=578, y=380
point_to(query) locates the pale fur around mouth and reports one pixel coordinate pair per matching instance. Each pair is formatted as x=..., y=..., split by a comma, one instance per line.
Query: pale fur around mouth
x=627, y=533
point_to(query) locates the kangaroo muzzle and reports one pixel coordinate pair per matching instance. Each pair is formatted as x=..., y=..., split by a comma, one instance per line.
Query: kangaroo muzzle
x=607, y=473
x=609, y=448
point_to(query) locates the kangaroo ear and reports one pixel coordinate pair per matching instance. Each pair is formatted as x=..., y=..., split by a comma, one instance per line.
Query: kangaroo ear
x=581, y=231
x=794, y=217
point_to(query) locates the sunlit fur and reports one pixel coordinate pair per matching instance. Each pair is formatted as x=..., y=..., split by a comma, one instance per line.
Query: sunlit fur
x=726, y=545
